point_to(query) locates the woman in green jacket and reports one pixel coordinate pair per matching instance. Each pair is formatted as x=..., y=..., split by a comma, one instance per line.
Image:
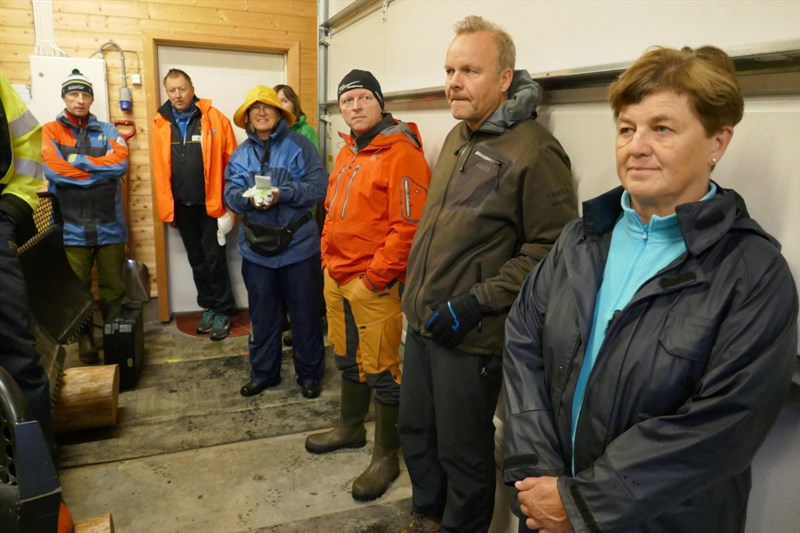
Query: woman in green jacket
x=289, y=99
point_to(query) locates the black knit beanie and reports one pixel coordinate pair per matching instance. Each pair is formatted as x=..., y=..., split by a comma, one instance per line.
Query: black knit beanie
x=360, y=79
x=76, y=82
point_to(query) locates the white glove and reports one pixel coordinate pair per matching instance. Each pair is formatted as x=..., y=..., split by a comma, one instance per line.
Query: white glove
x=261, y=197
x=224, y=225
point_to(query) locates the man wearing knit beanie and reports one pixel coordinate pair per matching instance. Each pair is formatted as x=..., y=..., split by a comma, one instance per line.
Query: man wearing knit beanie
x=84, y=163
x=360, y=79
x=377, y=191
x=76, y=82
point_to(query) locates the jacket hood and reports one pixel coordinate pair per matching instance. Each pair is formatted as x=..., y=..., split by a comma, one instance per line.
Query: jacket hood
x=300, y=122
x=399, y=131
x=701, y=223
x=523, y=97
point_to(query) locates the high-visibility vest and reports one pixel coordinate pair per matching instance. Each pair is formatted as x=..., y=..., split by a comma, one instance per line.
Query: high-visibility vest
x=20, y=148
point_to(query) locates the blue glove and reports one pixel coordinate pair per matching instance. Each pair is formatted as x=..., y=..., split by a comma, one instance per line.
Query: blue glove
x=453, y=319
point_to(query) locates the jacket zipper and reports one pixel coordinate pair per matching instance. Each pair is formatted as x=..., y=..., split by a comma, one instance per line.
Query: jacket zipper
x=347, y=192
x=469, y=143
x=479, y=279
x=407, y=193
x=336, y=189
x=564, y=377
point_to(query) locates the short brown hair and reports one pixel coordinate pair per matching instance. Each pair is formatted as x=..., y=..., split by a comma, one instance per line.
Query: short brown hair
x=290, y=95
x=707, y=76
x=506, y=51
x=175, y=73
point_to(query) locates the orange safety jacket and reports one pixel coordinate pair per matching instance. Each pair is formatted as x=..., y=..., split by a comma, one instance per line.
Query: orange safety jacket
x=217, y=142
x=374, y=202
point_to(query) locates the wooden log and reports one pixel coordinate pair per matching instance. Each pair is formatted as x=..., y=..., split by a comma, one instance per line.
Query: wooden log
x=87, y=398
x=102, y=523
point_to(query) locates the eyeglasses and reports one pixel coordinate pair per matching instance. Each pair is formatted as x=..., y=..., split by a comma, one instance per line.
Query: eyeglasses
x=260, y=108
x=364, y=99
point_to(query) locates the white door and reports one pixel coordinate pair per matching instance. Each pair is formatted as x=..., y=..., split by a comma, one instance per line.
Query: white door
x=224, y=77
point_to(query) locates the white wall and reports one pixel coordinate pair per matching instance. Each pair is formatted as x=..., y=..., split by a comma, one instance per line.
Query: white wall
x=47, y=75
x=406, y=52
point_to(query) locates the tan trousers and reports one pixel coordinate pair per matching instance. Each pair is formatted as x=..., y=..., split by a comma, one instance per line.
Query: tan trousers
x=365, y=328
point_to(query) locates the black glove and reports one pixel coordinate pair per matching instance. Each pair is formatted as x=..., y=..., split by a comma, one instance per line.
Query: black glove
x=453, y=319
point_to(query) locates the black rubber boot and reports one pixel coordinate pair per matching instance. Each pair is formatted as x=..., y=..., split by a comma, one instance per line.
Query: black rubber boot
x=349, y=431
x=87, y=351
x=385, y=465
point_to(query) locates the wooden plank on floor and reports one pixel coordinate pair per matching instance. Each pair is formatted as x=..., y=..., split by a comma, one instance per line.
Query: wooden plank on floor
x=194, y=404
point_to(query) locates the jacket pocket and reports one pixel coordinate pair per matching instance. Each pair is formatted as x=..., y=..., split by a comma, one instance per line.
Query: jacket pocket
x=688, y=337
x=412, y=196
x=478, y=177
x=671, y=374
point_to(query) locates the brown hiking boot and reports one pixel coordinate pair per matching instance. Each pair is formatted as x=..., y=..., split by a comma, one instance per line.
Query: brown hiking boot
x=349, y=430
x=385, y=464
x=423, y=524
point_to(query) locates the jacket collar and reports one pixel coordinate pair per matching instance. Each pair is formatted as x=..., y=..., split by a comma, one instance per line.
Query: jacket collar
x=702, y=223
x=91, y=120
x=393, y=131
x=166, y=108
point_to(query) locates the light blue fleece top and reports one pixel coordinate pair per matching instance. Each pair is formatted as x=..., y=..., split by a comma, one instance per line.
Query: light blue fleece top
x=636, y=254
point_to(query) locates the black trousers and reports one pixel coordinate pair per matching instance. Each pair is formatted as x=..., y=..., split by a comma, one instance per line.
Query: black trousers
x=447, y=404
x=18, y=354
x=206, y=257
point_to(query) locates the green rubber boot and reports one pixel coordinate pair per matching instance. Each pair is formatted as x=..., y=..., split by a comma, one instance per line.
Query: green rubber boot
x=385, y=465
x=349, y=431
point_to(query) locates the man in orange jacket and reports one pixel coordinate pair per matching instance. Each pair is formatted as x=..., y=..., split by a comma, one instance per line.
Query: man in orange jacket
x=192, y=143
x=375, y=198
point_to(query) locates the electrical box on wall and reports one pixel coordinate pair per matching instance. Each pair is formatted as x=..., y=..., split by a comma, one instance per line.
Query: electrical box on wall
x=47, y=74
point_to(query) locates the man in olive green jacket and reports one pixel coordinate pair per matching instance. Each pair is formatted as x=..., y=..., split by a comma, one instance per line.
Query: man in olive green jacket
x=500, y=194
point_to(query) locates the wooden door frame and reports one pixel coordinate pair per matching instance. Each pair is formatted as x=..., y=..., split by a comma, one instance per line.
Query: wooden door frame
x=151, y=41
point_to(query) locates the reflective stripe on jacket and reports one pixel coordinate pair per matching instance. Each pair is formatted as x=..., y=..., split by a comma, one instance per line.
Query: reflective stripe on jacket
x=21, y=175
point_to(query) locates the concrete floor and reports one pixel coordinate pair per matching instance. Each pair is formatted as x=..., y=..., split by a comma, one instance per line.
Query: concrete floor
x=189, y=454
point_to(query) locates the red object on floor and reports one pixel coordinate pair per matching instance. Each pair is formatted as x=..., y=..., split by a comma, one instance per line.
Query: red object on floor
x=65, y=523
x=240, y=323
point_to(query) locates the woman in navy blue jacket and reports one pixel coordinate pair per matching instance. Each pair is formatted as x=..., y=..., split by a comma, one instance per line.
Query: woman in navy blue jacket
x=274, y=179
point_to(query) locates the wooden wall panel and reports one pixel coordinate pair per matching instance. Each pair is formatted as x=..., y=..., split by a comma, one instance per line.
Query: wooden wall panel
x=81, y=27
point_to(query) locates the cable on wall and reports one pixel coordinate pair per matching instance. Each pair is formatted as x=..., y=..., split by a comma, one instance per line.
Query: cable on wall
x=44, y=29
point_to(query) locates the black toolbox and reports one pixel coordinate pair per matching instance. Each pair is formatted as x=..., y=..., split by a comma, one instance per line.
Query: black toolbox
x=123, y=342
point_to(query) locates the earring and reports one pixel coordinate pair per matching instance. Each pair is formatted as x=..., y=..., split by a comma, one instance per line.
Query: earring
x=713, y=161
